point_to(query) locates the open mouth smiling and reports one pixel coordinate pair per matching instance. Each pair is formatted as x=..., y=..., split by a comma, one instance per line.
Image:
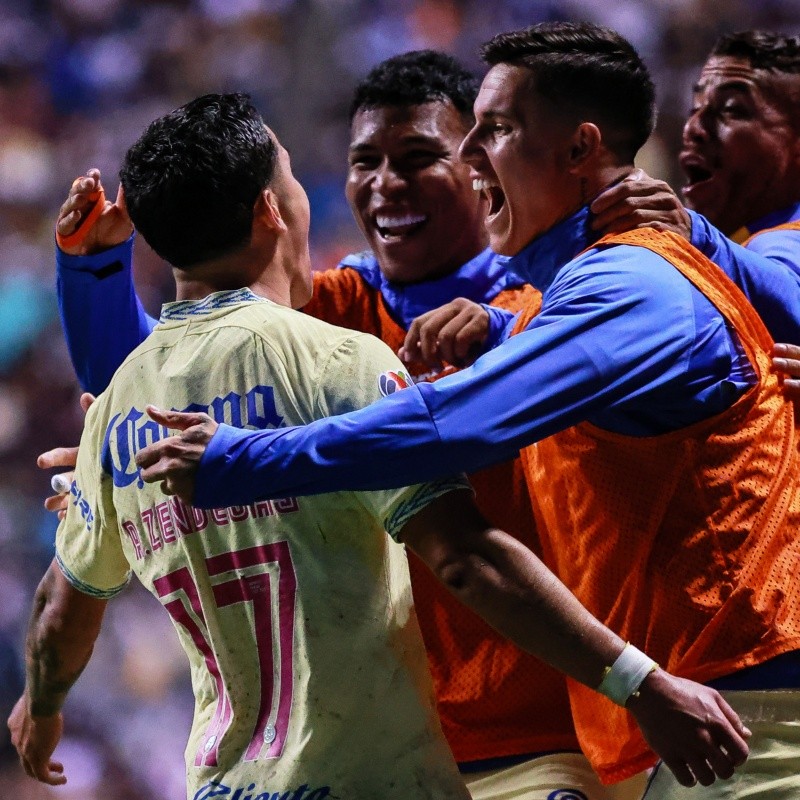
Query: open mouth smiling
x=393, y=227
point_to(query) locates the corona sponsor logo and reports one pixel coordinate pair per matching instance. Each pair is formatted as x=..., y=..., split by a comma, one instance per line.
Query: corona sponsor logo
x=128, y=432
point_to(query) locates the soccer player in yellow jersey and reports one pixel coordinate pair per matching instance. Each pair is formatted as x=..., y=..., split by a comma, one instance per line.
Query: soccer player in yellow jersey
x=308, y=669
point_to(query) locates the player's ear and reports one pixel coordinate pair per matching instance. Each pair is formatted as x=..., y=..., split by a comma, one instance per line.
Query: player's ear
x=267, y=211
x=586, y=141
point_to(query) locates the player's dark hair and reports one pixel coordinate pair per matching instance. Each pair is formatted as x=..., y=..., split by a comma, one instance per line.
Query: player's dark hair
x=764, y=50
x=586, y=73
x=192, y=179
x=414, y=78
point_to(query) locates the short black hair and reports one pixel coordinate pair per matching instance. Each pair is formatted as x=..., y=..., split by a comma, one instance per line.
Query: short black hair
x=764, y=50
x=414, y=78
x=587, y=72
x=192, y=179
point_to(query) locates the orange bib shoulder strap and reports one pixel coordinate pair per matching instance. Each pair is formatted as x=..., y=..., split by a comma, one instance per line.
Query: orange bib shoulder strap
x=786, y=226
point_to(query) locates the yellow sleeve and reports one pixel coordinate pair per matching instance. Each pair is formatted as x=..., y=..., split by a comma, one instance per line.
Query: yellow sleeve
x=88, y=545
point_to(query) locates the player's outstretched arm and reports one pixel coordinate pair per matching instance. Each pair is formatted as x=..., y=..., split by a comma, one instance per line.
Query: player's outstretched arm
x=767, y=271
x=61, y=634
x=771, y=281
x=689, y=726
x=102, y=317
x=640, y=201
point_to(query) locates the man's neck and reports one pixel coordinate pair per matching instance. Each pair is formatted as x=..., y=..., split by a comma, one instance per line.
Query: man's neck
x=242, y=269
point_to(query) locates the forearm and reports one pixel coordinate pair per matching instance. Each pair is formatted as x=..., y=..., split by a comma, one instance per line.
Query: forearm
x=102, y=318
x=513, y=591
x=394, y=442
x=58, y=646
x=241, y=466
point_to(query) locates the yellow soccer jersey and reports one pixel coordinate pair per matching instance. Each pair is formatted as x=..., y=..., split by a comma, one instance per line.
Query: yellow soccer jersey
x=308, y=668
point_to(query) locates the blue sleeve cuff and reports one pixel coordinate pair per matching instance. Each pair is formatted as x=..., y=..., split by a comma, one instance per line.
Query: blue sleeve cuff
x=500, y=323
x=210, y=483
x=122, y=252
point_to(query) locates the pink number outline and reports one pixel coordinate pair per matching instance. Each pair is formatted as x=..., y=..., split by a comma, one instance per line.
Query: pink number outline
x=255, y=589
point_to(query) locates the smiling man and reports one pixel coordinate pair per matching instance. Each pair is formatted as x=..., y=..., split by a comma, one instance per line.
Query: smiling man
x=741, y=156
x=666, y=464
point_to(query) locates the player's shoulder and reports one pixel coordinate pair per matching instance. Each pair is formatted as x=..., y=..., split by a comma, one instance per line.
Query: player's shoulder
x=517, y=298
x=623, y=258
x=339, y=292
x=343, y=276
x=620, y=274
x=297, y=336
x=764, y=242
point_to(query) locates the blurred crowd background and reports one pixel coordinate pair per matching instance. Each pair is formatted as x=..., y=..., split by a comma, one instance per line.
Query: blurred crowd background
x=79, y=80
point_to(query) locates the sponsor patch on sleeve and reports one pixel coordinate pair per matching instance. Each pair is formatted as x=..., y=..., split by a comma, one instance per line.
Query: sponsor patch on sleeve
x=393, y=381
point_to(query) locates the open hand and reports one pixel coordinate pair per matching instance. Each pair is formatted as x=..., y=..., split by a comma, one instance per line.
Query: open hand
x=691, y=728
x=640, y=201
x=174, y=460
x=454, y=333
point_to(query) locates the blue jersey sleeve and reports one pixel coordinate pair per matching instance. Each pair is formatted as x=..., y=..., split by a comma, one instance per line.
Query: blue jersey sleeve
x=597, y=344
x=767, y=271
x=501, y=323
x=102, y=317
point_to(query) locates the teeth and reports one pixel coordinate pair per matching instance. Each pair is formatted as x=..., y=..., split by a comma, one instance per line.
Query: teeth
x=479, y=184
x=385, y=221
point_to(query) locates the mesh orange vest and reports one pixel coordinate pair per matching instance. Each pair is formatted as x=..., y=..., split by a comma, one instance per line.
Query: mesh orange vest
x=685, y=544
x=493, y=699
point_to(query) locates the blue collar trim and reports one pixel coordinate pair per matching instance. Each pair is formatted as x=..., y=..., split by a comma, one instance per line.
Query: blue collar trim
x=481, y=279
x=183, y=309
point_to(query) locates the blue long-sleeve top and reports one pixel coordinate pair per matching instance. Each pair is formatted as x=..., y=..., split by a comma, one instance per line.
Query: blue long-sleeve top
x=481, y=279
x=102, y=317
x=104, y=320
x=767, y=270
x=623, y=340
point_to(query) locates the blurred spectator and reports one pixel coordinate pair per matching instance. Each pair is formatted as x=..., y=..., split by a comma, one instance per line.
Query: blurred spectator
x=79, y=80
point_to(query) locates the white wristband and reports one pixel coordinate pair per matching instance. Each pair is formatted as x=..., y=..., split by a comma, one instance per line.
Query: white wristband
x=623, y=679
